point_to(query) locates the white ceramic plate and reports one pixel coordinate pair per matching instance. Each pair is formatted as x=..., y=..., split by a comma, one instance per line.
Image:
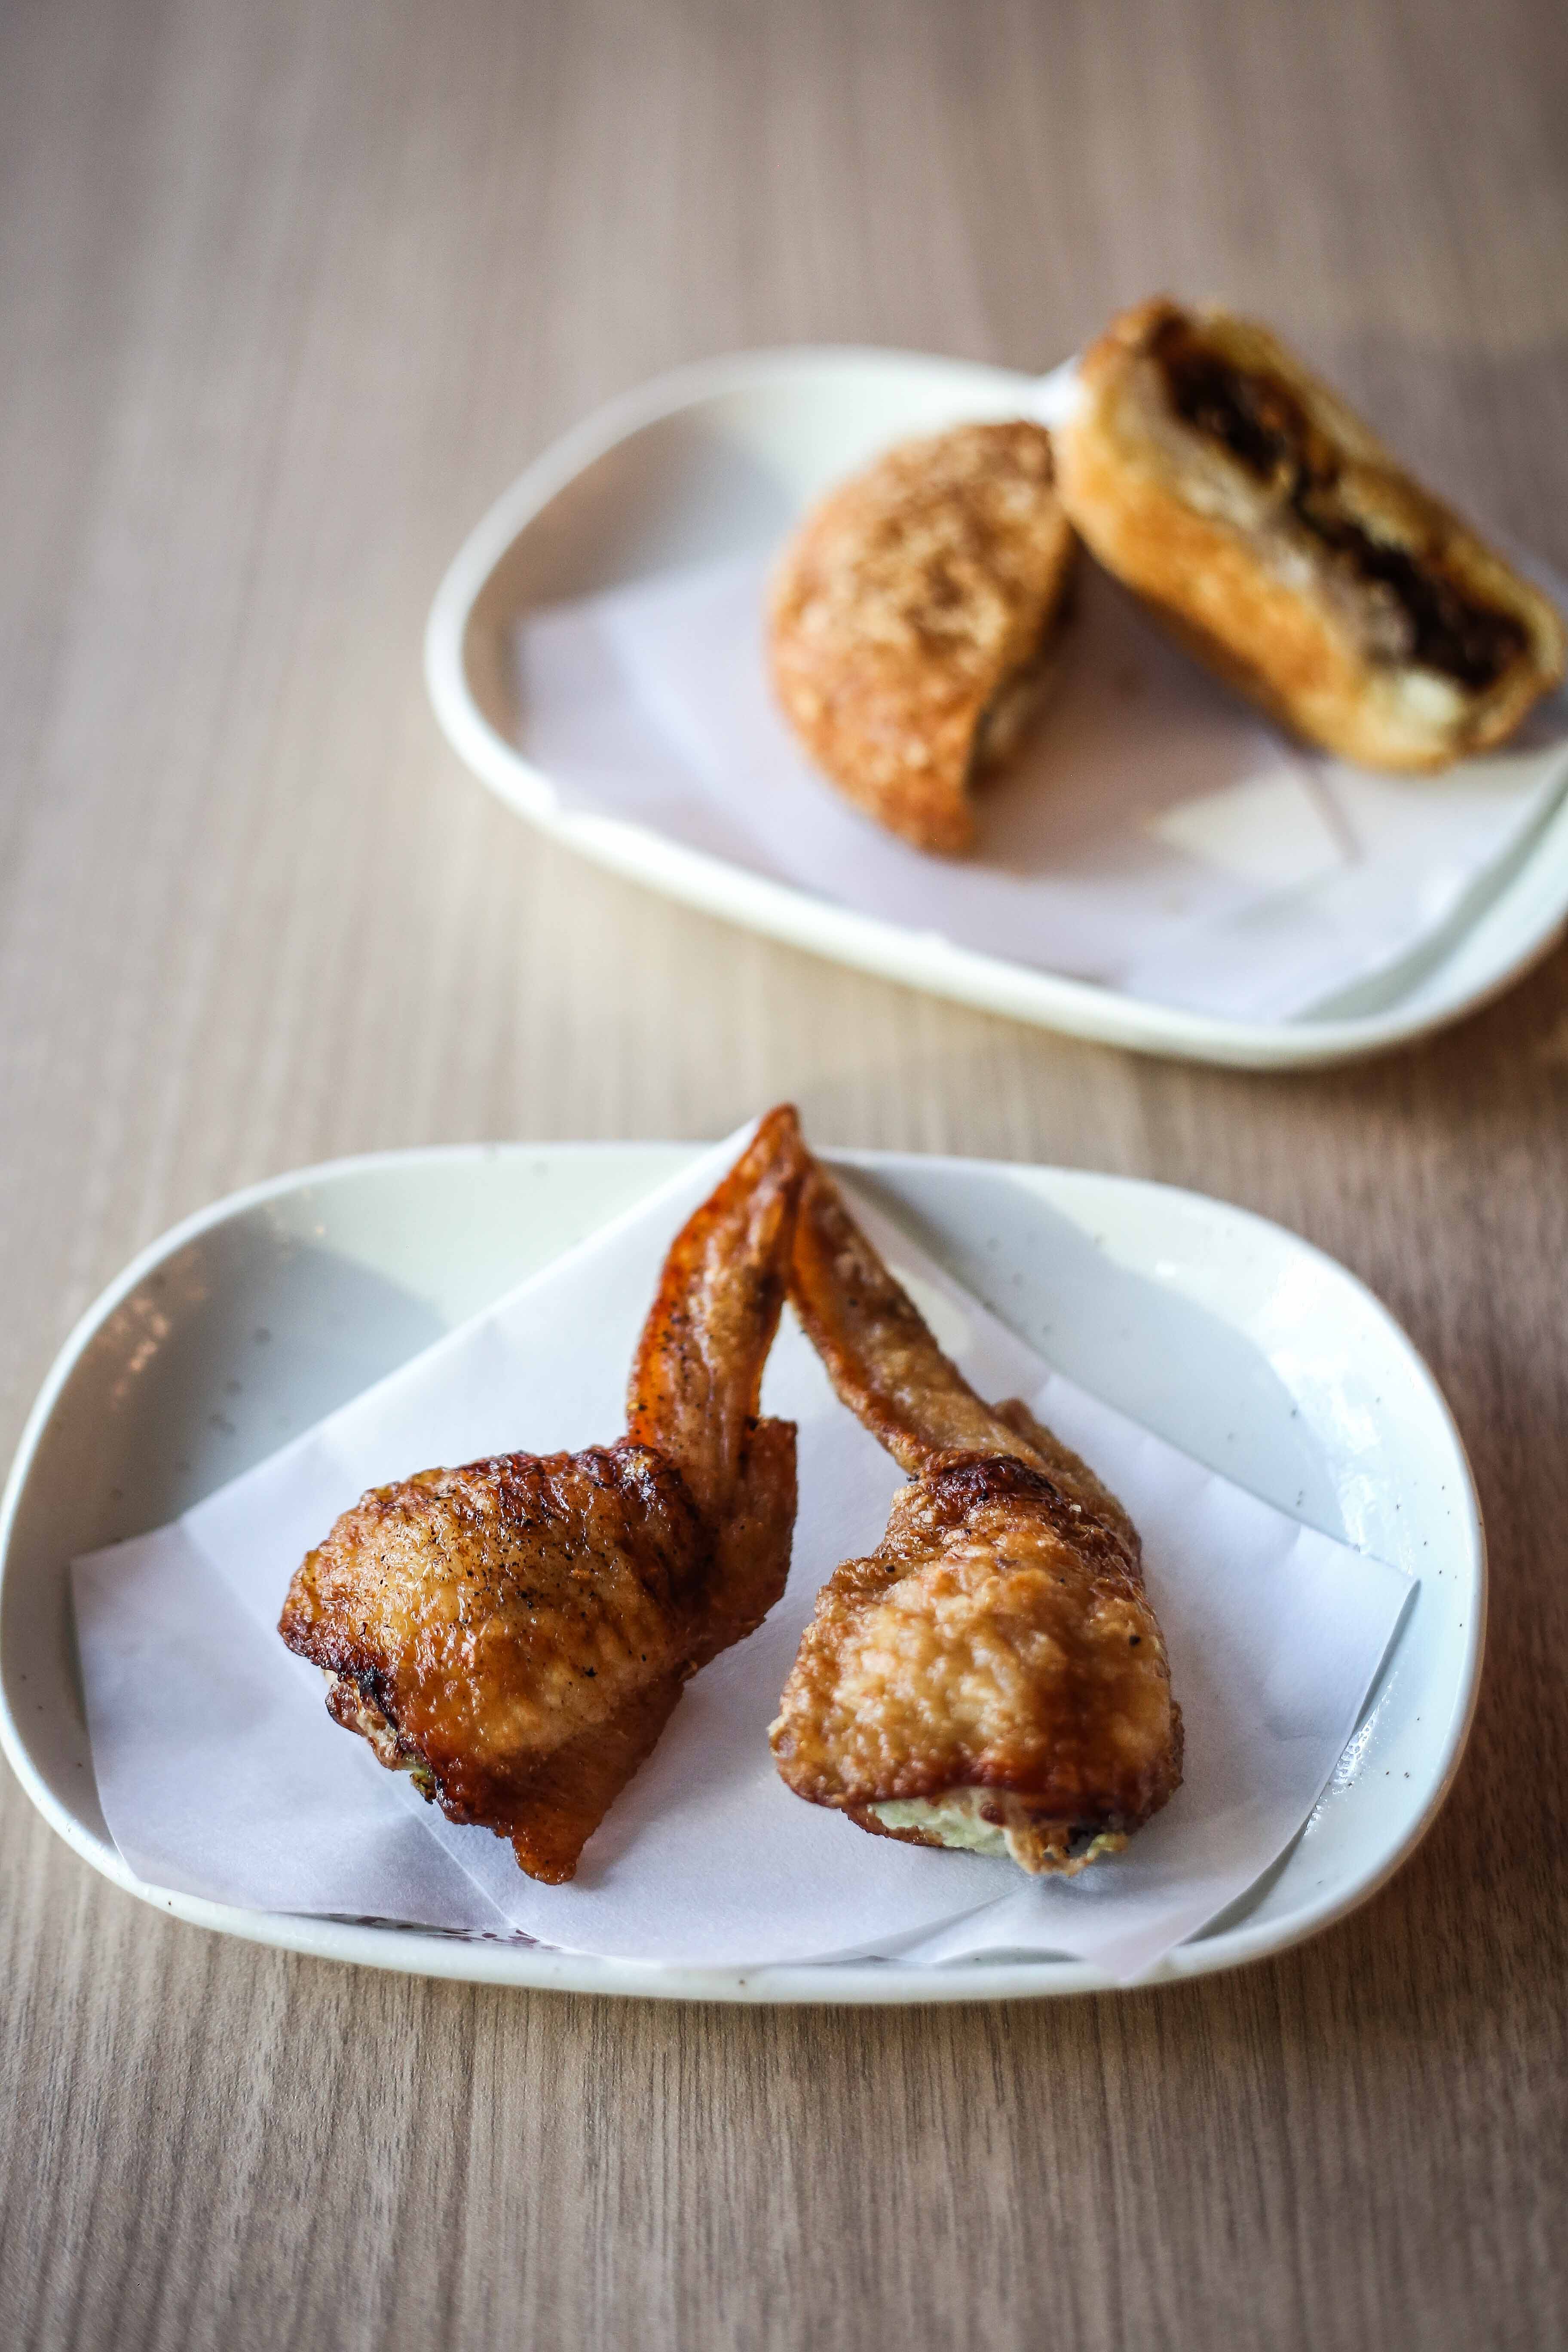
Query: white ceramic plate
x=716, y=459
x=1228, y=1335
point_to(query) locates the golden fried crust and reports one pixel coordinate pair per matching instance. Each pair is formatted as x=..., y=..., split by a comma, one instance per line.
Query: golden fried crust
x=1070, y=1475
x=910, y=603
x=752, y=1545
x=516, y=1632
x=999, y=1639
x=997, y=1656
x=887, y=1367
x=874, y=1343
x=697, y=1376
x=500, y=1614
x=1284, y=545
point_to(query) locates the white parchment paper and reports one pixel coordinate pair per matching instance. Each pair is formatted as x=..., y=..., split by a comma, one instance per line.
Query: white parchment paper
x=1156, y=835
x=222, y=1775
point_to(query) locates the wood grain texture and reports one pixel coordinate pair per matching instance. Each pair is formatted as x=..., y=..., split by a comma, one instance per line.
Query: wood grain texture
x=285, y=295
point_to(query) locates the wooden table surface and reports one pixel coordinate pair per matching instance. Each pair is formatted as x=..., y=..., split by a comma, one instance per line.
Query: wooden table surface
x=286, y=294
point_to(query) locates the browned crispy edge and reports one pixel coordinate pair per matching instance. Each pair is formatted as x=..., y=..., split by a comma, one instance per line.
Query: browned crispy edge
x=697, y=1376
x=1283, y=646
x=928, y=804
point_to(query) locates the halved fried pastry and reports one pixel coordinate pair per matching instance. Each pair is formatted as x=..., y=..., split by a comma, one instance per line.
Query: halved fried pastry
x=516, y=1632
x=912, y=619
x=993, y=1676
x=1286, y=547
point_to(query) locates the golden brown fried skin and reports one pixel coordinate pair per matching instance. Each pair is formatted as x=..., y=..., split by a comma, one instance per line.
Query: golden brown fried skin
x=886, y=1367
x=500, y=1617
x=516, y=1632
x=998, y=1655
x=697, y=1377
x=910, y=619
x=999, y=1640
x=1287, y=550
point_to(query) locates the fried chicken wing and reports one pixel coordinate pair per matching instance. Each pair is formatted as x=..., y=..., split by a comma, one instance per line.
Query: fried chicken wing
x=515, y=1633
x=993, y=1676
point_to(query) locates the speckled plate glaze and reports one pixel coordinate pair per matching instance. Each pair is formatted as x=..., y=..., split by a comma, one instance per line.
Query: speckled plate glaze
x=718, y=459
x=1225, y=1334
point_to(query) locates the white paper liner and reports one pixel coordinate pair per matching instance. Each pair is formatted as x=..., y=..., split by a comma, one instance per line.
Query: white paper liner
x=221, y=1774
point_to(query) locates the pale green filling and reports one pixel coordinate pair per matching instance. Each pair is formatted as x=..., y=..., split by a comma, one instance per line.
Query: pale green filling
x=950, y=1822
x=1108, y=1842
x=956, y=1820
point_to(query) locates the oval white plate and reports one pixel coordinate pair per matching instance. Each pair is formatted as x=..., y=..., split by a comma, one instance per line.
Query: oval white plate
x=1228, y=1335
x=715, y=460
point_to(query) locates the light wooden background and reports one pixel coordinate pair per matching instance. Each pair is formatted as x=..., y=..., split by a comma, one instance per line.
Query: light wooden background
x=286, y=294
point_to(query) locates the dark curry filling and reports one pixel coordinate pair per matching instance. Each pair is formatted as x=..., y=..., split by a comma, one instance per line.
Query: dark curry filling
x=1266, y=430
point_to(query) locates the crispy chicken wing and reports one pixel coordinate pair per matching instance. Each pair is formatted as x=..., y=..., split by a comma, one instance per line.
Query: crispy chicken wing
x=993, y=1676
x=515, y=1633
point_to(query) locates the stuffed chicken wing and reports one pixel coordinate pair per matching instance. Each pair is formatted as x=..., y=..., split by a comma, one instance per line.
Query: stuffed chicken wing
x=993, y=1676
